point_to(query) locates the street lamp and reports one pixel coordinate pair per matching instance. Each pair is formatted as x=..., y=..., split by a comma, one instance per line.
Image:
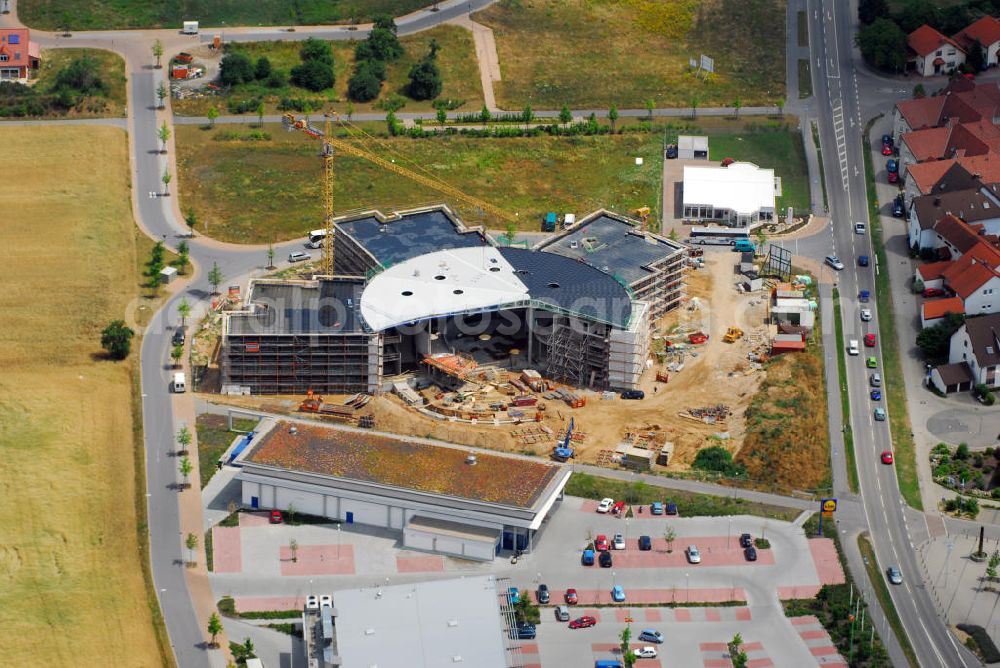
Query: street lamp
x=338, y=542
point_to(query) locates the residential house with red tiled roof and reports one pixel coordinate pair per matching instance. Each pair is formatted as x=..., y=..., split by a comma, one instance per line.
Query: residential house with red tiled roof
x=985, y=34
x=961, y=101
x=977, y=344
x=933, y=310
x=18, y=54
x=951, y=141
x=932, y=53
x=973, y=205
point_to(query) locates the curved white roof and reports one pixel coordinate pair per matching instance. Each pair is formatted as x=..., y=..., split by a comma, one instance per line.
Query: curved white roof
x=441, y=283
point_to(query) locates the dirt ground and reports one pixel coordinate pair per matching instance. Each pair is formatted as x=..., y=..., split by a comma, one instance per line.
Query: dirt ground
x=713, y=373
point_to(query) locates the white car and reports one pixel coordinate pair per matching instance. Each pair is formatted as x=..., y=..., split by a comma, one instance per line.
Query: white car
x=618, y=542
x=605, y=505
x=859, y=228
x=299, y=256
x=645, y=653
x=312, y=602
x=326, y=601
x=693, y=555
x=866, y=314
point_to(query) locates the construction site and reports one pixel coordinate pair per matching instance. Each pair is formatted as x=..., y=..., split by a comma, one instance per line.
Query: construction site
x=605, y=343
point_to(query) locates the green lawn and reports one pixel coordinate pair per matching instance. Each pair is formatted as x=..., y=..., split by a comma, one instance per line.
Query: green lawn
x=117, y=14
x=456, y=58
x=258, y=191
x=805, y=79
x=690, y=504
x=894, y=387
x=213, y=439
x=587, y=53
x=845, y=399
x=780, y=150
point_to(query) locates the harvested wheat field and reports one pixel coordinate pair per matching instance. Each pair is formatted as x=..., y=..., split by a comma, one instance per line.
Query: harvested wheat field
x=72, y=590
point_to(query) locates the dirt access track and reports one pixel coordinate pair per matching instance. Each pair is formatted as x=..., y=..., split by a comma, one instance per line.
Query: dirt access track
x=713, y=373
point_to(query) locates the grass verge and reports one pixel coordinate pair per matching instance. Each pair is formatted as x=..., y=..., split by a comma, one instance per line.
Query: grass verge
x=833, y=606
x=805, y=79
x=213, y=439
x=119, y=14
x=877, y=579
x=595, y=53
x=845, y=399
x=894, y=387
x=822, y=169
x=690, y=504
x=70, y=436
x=803, y=26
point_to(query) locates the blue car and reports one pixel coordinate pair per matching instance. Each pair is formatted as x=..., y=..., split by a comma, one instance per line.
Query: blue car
x=891, y=166
x=617, y=594
x=862, y=260
x=656, y=508
x=514, y=596
x=876, y=395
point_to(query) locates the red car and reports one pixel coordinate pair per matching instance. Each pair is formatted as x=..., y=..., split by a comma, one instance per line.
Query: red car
x=276, y=517
x=870, y=340
x=933, y=292
x=893, y=177
x=601, y=543
x=571, y=597
x=584, y=622
x=887, y=457
x=618, y=508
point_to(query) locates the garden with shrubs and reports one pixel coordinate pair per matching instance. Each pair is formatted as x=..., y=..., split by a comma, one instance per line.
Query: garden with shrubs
x=973, y=474
x=80, y=83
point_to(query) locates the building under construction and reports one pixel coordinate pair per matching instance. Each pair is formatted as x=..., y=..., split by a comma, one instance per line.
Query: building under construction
x=419, y=284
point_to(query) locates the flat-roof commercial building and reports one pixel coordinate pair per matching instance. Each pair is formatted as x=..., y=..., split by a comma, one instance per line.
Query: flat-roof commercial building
x=465, y=621
x=741, y=195
x=581, y=304
x=441, y=499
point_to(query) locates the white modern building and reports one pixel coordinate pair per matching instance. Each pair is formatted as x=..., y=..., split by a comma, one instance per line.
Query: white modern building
x=442, y=499
x=740, y=195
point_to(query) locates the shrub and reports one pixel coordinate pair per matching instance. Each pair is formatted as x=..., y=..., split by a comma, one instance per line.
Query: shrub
x=262, y=70
x=313, y=75
x=364, y=85
x=276, y=79
x=235, y=69
x=243, y=106
x=425, y=80
x=116, y=339
x=81, y=75
x=962, y=451
x=316, y=50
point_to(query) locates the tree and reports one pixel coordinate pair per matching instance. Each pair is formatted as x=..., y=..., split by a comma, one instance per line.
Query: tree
x=991, y=566
x=976, y=58
x=565, y=115
x=316, y=50
x=116, y=339
x=262, y=70
x=213, y=113
x=781, y=105
x=191, y=218
x=248, y=648
x=293, y=545
x=164, y=134
x=510, y=233
x=349, y=110
x=916, y=13
x=737, y=103
x=869, y=10
x=185, y=468
x=934, y=342
x=166, y=178
x=650, y=106
x=962, y=452
x=184, y=310
x=669, y=535
x=176, y=353
x=214, y=627
x=270, y=255
x=235, y=69
x=442, y=116
x=613, y=116
x=714, y=458
x=381, y=45
x=191, y=543
x=154, y=265
x=919, y=91
x=425, y=79
x=363, y=85
x=183, y=256
x=260, y=115
x=276, y=79
x=695, y=101
x=184, y=439
x=485, y=115
x=883, y=45
x=157, y=52
x=527, y=115
x=736, y=653
x=628, y=658
x=215, y=277
x=314, y=75
x=161, y=94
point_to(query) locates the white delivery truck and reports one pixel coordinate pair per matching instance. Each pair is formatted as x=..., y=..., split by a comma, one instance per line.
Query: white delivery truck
x=852, y=347
x=179, y=386
x=190, y=28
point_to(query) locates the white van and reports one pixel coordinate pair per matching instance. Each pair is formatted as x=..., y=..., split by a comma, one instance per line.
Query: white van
x=316, y=238
x=190, y=28
x=179, y=385
x=852, y=347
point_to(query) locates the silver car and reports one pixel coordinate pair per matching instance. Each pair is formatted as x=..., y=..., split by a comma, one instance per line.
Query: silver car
x=299, y=256
x=834, y=262
x=693, y=555
x=895, y=577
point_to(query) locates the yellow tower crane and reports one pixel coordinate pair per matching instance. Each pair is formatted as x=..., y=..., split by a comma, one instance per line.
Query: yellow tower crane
x=330, y=143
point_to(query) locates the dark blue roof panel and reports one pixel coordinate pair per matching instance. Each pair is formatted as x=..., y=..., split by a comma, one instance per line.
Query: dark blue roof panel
x=414, y=234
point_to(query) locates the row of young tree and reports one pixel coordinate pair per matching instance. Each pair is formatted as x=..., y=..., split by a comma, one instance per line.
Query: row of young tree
x=883, y=33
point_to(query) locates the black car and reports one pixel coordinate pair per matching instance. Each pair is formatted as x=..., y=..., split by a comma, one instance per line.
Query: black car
x=605, y=559
x=746, y=540
x=671, y=508
x=898, y=210
x=178, y=339
x=671, y=151
x=645, y=543
x=524, y=631
x=633, y=394
x=542, y=594
x=750, y=553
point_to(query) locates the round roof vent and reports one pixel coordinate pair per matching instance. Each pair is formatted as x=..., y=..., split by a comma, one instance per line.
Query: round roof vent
x=406, y=293
x=439, y=277
x=458, y=292
x=553, y=285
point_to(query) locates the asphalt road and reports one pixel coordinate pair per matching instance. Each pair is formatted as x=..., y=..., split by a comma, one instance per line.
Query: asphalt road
x=840, y=86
